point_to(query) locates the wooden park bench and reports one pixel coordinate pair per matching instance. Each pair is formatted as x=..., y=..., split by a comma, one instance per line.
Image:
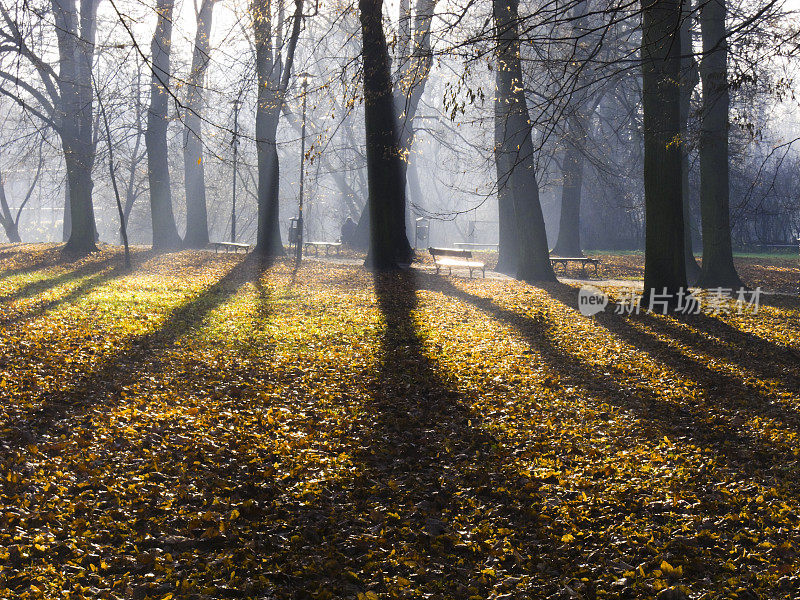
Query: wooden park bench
x=582, y=260
x=455, y=257
x=228, y=246
x=327, y=245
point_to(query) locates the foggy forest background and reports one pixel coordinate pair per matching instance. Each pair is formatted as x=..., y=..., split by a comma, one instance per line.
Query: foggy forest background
x=582, y=81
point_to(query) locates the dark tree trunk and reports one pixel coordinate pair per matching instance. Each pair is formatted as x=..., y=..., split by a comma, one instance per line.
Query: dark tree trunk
x=165, y=232
x=76, y=41
x=516, y=149
x=569, y=229
x=417, y=58
x=689, y=79
x=389, y=245
x=718, y=267
x=508, y=247
x=268, y=236
x=82, y=226
x=193, y=164
x=665, y=267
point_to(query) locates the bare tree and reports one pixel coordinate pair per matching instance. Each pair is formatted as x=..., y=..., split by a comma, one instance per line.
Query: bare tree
x=8, y=220
x=64, y=101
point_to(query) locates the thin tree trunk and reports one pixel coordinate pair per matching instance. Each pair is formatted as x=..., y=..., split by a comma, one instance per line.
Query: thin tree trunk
x=387, y=198
x=665, y=267
x=718, y=267
x=516, y=147
x=193, y=164
x=136, y=158
x=112, y=173
x=165, y=231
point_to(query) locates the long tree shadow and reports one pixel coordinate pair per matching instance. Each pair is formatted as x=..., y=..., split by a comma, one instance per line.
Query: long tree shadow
x=727, y=393
x=430, y=491
x=42, y=259
x=139, y=358
x=42, y=285
x=713, y=336
x=82, y=289
x=744, y=453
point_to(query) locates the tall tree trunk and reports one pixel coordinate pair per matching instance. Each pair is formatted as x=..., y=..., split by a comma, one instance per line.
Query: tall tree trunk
x=664, y=255
x=569, y=229
x=76, y=41
x=268, y=235
x=718, y=267
x=273, y=81
x=165, y=231
x=516, y=148
x=689, y=79
x=193, y=164
x=387, y=198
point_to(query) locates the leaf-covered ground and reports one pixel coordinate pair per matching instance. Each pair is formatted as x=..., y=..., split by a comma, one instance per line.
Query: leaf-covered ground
x=210, y=427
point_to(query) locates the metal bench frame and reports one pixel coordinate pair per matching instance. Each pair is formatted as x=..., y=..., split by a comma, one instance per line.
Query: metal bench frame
x=583, y=260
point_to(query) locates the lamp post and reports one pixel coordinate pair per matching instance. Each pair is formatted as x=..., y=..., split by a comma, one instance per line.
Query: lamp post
x=235, y=144
x=299, y=250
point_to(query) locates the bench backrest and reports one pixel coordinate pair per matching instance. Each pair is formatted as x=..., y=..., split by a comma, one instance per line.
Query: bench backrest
x=453, y=252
